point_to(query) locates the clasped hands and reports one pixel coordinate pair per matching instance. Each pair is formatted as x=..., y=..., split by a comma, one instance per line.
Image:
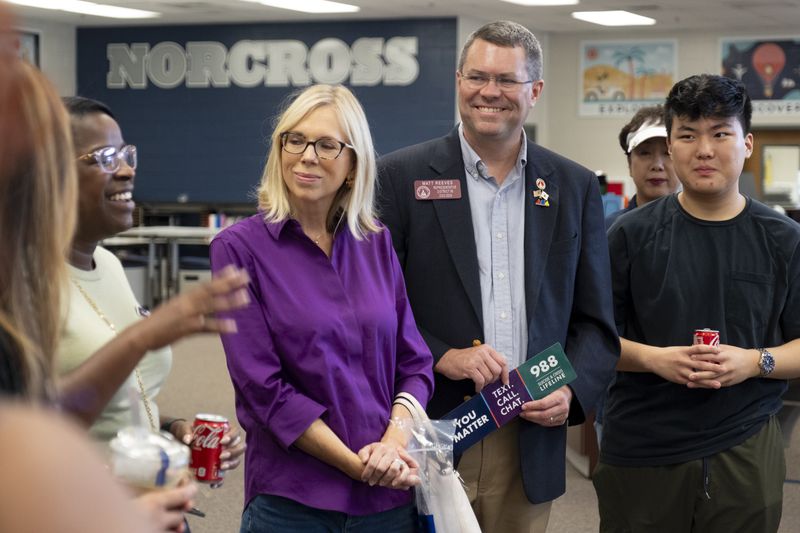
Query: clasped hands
x=388, y=464
x=704, y=367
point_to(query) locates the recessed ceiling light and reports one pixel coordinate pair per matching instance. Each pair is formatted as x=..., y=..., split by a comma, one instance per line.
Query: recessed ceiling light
x=613, y=18
x=310, y=6
x=543, y=2
x=88, y=8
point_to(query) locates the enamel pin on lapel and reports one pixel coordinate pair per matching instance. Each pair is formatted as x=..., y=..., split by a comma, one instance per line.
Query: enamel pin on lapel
x=542, y=198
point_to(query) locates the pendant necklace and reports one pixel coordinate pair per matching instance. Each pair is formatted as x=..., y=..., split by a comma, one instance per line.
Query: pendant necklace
x=113, y=328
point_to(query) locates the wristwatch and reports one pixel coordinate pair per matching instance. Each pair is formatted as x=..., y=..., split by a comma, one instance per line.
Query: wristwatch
x=766, y=363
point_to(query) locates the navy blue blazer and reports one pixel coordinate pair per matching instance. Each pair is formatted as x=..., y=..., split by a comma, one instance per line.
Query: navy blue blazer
x=567, y=282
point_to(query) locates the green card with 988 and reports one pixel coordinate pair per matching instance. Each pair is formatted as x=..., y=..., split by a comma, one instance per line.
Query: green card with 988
x=546, y=371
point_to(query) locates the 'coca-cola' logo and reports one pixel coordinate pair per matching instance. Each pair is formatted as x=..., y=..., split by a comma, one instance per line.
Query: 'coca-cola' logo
x=206, y=436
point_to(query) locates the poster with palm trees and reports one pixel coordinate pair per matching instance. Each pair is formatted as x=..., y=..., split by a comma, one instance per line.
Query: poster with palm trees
x=619, y=77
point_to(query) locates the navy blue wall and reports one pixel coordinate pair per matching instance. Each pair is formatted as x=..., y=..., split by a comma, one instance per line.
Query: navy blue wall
x=210, y=143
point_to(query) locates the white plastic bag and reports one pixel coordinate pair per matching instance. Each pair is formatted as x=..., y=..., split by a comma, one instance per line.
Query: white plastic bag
x=441, y=500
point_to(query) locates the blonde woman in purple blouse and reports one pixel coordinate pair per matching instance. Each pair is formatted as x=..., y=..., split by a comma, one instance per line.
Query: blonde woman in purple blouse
x=329, y=339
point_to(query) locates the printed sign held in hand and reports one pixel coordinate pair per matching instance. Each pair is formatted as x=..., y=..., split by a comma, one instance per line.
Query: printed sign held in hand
x=546, y=371
x=498, y=404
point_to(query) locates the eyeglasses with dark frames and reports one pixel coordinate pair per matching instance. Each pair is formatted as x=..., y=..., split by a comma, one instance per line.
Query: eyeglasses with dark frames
x=479, y=81
x=325, y=147
x=109, y=158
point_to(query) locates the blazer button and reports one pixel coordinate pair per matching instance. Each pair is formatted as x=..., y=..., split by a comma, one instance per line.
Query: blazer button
x=467, y=397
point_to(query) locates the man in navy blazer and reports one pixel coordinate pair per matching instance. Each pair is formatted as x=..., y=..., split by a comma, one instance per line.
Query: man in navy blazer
x=504, y=252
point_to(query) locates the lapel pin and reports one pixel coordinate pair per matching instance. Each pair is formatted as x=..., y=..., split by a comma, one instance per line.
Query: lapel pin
x=542, y=198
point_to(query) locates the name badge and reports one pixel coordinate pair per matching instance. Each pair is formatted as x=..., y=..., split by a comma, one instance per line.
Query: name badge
x=437, y=189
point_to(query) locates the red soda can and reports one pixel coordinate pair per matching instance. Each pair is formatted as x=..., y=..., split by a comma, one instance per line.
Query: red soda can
x=206, y=447
x=706, y=336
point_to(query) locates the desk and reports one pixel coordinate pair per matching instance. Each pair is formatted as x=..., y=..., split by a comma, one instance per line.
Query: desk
x=170, y=237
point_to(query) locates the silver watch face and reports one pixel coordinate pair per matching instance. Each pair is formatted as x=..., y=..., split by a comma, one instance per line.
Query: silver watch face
x=766, y=363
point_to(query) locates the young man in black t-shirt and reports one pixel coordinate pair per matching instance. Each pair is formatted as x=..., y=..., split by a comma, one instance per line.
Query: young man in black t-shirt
x=690, y=440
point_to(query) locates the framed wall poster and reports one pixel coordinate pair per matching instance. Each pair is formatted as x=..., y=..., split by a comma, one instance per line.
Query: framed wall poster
x=770, y=69
x=780, y=170
x=28, y=46
x=619, y=77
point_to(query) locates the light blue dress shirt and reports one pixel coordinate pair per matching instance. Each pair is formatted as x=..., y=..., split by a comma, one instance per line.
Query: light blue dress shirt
x=498, y=221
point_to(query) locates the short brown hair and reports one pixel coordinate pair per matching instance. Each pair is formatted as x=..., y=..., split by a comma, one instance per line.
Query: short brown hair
x=508, y=34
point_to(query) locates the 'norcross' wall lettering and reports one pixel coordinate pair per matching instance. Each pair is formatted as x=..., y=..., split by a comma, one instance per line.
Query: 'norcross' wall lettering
x=279, y=63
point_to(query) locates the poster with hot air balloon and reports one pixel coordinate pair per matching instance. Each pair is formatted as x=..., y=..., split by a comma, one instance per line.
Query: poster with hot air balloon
x=769, y=68
x=619, y=77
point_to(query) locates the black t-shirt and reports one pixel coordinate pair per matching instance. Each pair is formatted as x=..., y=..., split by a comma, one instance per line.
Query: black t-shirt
x=12, y=381
x=672, y=274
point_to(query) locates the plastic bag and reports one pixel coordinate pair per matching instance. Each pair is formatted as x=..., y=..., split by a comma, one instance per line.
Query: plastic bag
x=441, y=500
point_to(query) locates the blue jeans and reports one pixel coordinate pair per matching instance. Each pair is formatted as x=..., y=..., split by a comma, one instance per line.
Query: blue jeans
x=274, y=514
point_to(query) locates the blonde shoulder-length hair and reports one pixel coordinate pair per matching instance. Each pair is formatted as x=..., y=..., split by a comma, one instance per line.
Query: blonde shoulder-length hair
x=354, y=202
x=38, y=202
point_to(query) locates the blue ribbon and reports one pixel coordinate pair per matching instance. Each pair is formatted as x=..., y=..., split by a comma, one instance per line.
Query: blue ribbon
x=161, y=476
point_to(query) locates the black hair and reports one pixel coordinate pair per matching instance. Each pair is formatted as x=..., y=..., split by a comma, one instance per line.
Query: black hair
x=79, y=106
x=653, y=114
x=709, y=96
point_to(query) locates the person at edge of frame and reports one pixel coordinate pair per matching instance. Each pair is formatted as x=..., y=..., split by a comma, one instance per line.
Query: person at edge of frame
x=711, y=458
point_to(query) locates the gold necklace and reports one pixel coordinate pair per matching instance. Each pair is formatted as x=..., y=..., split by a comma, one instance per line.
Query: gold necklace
x=316, y=240
x=113, y=328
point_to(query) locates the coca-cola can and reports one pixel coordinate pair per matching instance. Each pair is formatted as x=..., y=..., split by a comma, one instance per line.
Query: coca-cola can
x=706, y=336
x=206, y=447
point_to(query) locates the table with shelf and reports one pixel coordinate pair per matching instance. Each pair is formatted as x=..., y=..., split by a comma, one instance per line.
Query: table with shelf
x=162, y=241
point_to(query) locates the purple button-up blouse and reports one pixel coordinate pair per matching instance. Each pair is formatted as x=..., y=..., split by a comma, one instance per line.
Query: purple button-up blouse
x=331, y=338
